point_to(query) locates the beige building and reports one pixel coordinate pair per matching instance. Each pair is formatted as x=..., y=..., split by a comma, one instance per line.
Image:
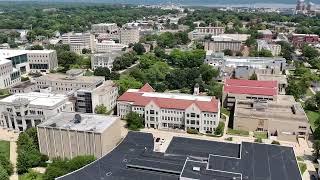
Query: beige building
x=78, y=41
x=129, y=35
x=24, y=87
x=221, y=42
x=104, y=28
x=202, y=32
x=63, y=83
x=68, y=135
x=275, y=49
x=283, y=119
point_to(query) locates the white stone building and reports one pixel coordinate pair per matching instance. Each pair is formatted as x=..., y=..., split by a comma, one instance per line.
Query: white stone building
x=108, y=46
x=105, y=59
x=25, y=110
x=275, y=49
x=201, y=32
x=171, y=111
x=9, y=76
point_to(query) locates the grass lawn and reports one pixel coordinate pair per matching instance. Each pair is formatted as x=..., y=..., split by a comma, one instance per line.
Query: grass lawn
x=299, y=158
x=237, y=132
x=225, y=111
x=88, y=73
x=262, y=135
x=312, y=116
x=302, y=167
x=5, y=148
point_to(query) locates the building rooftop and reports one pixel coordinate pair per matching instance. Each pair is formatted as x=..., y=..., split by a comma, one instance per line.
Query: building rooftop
x=231, y=37
x=65, y=78
x=282, y=79
x=35, y=99
x=143, y=96
x=4, y=61
x=23, y=85
x=80, y=122
x=105, y=87
x=6, y=53
x=265, y=32
x=134, y=159
x=252, y=87
x=284, y=109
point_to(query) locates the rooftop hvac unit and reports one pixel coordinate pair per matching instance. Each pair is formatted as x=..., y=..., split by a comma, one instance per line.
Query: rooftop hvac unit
x=195, y=168
x=77, y=118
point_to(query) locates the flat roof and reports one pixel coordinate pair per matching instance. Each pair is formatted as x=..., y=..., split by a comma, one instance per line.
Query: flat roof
x=66, y=78
x=16, y=52
x=88, y=123
x=24, y=84
x=273, y=77
x=284, y=109
x=252, y=87
x=134, y=159
x=35, y=99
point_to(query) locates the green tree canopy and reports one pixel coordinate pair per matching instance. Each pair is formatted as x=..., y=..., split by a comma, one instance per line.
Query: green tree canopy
x=134, y=121
x=100, y=109
x=139, y=48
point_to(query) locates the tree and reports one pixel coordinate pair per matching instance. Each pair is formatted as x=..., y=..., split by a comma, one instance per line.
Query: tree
x=36, y=47
x=139, y=48
x=253, y=76
x=228, y=52
x=265, y=53
x=125, y=82
x=258, y=140
x=86, y=51
x=32, y=133
x=134, y=121
x=100, y=109
x=79, y=161
x=3, y=174
x=310, y=52
x=57, y=168
x=316, y=149
x=102, y=71
x=219, y=129
x=159, y=52
x=66, y=59
x=208, y=72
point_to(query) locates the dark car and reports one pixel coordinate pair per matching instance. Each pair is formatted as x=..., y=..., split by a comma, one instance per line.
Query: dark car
x=158, y=139
x=313, y=177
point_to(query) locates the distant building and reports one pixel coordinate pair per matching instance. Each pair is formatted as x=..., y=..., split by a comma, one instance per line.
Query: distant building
x=283, y=119
x=129, y=35
x=171, y=111
x=22, y=111
x=68, y=135
x=202, y=32
x=235, y=89
x=108, y=28
x=275, y=49
x=88, y=99
x=105, y=59
x=108, y=46
x=64, y=84
x=298, y=40
x=266, y=35
x=233, y=42
x=31, y=60
x=78, y=41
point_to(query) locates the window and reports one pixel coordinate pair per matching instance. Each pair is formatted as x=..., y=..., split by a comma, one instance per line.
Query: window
x=193, y=115
x=198, y=116
x=193, y=121
x=187, y=115
x=151, y=111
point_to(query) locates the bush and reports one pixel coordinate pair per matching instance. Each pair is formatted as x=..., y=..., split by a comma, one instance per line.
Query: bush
x=258, y=140
x=134, y=121
x=275, y=142
x=31, y=175
x=192, y=131
x=6, y=164
x=79, y=161
x=219, y=129
x=229, y=139
x=3, y=174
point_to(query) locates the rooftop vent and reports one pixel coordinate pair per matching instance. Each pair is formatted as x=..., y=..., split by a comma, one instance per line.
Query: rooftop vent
x=53, y=125
x=195, y=168
x=77, y=118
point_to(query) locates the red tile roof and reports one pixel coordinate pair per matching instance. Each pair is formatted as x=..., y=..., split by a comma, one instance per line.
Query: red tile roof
x=138, y=99
x=252, y=87
x=147, y=88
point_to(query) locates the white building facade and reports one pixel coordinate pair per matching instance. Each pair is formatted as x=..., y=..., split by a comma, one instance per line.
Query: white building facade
x=171, y=111
x=108, y=46
x=22, y=111
x=104, y=60
x=9, y=76
x=78, y=41
x=129, y=35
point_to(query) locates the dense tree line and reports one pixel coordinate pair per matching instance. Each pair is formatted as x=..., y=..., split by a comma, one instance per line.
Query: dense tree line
x=168, y=39
x=68, y=17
